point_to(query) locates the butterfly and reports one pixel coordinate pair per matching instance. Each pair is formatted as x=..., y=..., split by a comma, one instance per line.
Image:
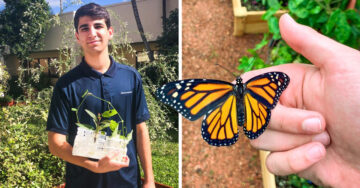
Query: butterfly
x=225, y=105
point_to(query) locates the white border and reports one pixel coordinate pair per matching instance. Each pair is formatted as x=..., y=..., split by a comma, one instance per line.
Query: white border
x=180, y=77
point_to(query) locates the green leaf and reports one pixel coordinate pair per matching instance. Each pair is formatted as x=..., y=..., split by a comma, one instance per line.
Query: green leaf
x=263, y=42
x=129, y=136
x=274, y=28
x=250, y=64
x=274, y=4
x=322, y=18
x=299, y=8
x=296, y=2
x=259, y=63
x=353, y=16
x=315, y=10
x=74, y=109
x=92, y=115
x=269, y=13
x=245, y=64
x=105, y=122
x=113, y=125
x=86, y=92
x=333, y=19
x=109, y=113
x=104, y=126
x=253, y=52
x=86, y=126
x=343, y=29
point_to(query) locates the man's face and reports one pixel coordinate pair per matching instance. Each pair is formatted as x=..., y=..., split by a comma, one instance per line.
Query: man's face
x=93, y=35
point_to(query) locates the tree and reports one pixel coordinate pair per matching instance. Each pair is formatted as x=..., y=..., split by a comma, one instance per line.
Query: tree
x=141, y=30
x=24, y=25
x=64, y=4
x=169, y=40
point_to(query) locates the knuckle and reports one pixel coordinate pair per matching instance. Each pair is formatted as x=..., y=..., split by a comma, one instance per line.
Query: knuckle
x=270, y=165
x=293, y=162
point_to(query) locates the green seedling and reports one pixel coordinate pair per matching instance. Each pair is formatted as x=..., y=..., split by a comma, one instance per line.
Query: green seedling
x=103, y=121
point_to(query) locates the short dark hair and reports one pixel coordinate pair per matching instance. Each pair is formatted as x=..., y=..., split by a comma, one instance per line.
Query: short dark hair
x=94, y=11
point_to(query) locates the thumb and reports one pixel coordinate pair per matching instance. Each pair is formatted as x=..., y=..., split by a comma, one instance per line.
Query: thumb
x=319, y=49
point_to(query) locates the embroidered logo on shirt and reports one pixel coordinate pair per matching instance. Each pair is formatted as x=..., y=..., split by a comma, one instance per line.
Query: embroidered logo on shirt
x=125, y=92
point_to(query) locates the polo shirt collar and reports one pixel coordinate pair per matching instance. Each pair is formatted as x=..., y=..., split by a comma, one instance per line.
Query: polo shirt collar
x=93, y=73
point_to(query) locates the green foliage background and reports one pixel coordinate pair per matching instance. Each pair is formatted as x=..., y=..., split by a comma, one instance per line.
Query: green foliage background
x=25, y=160
x=24, y=25
x=329, y=17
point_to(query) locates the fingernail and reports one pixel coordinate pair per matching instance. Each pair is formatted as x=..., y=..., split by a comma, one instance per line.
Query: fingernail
x=289, y=17
x=312, y=125
x=322, y=138
x=315, y=153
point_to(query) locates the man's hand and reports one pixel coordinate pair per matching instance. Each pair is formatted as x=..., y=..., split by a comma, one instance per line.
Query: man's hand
x=108, y=164
x=323, y=95
x=58, y=146
x=144, y=151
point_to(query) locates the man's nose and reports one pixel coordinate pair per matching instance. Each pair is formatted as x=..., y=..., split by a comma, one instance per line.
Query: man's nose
x=92, y=32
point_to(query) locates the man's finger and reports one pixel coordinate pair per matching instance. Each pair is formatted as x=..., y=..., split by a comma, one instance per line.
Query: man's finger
x=294, y=120
x=280, y=141
x=293, y=94
x=296, y=160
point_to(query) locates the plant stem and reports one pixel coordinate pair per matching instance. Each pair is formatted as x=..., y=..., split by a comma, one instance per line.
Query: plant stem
x=110, y=106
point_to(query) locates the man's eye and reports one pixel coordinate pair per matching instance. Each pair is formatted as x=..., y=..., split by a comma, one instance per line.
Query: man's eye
x=98, y=27
x=84, y=29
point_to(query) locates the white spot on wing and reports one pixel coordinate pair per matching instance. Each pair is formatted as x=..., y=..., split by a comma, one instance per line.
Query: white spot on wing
x=175, y=94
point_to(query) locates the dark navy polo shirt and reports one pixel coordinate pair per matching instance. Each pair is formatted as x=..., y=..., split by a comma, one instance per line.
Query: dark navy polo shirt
x=122, y=86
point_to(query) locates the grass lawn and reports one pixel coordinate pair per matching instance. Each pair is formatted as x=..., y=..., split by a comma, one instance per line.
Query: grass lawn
x=165, y=158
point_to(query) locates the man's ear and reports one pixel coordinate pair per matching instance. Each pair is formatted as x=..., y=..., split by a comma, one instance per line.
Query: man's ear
x=111, y=31
x=77, y=36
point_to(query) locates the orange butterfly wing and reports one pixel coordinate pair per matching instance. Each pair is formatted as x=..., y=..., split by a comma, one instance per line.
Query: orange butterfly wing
x=220, y=125
x=193, y=98
x=261, y=95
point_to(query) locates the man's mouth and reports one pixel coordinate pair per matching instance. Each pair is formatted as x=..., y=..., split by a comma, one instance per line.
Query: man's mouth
x=94, y=42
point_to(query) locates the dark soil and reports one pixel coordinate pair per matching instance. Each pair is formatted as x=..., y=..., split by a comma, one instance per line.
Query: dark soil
x=207, y=39
x=253, y=5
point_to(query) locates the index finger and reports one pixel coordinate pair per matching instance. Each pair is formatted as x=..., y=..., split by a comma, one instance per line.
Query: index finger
x=292, y=96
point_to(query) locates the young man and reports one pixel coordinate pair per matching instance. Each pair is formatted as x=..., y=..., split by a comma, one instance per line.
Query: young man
x=121, y=85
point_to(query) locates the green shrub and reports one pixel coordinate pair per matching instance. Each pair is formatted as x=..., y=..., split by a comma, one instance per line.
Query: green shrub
x=6, y=99
x=163, y=121
x=162, y=118
x=293, y=181
x=4, y=77
x=25, y=160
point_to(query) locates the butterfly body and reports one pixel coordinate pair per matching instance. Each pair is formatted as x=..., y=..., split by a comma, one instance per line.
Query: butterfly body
x=225, y=105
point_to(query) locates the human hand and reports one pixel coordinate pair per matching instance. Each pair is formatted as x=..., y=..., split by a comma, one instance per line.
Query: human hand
x=148, y=184
x=108, y=164
x=327, y=91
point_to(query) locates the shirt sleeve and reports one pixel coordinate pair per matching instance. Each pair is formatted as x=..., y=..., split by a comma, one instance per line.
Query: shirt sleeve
x=142, y=111
x=58, y=119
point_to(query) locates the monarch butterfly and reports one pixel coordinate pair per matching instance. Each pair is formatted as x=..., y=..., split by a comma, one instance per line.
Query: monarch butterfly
x=226, y=105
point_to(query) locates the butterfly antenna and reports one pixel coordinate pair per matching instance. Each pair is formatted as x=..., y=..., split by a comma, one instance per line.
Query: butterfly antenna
x=227, y=70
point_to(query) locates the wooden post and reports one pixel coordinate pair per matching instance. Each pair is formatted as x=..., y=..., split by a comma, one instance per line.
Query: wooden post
x=268, y=178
